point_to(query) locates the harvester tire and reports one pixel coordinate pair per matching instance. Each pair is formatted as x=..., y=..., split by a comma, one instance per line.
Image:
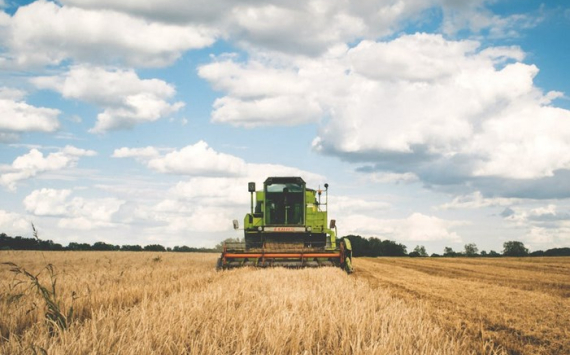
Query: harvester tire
x=219, y=265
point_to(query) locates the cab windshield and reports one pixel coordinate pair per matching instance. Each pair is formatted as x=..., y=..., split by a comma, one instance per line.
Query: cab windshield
x=284, y=204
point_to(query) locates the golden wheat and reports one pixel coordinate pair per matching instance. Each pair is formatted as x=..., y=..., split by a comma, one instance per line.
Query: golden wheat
x=176, y=303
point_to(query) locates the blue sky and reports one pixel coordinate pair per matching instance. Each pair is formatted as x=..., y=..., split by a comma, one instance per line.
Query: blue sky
x=435, y=123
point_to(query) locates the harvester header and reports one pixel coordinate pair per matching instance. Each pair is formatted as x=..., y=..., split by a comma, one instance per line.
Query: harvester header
x=287, y=226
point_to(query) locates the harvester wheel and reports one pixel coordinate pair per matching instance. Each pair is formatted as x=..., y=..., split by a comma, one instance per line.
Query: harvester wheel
x=219, y=265
x=348, y=263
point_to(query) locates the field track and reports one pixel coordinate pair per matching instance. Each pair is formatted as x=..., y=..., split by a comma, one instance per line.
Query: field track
x=176, y=303
x=522, y=305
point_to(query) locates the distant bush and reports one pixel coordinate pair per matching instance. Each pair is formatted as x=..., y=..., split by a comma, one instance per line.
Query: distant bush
x=131, y=248
x=514, y=248
x=375, y=247
x=154, y=247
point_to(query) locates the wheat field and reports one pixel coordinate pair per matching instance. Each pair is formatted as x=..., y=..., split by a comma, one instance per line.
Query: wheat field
x=176, y=303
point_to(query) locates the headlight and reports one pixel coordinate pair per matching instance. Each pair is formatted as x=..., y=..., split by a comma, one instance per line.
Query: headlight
x=309, y=229
x=260, y=228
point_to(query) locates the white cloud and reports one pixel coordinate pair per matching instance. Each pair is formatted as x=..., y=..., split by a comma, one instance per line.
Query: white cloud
x=215, y=191
x=416, y=227
x=477, y=200
x=126, y=99
x=397, y=178
x=420, y=98
x=311, y=27
x=11, y=94
x=547, y=238
x=16, y=116
x=137, y=153
x=259, y=172
x=474, y=16
x=340, y=206
x=178, y=216
x=259, y=95
x=212, y=191
x=73, y=212
x=43, y=33
x=157, y=33
x=47, y=202
x=540, y=215
x=529, y=141
x=33, y=163
x=13, y=224
x=198, y=160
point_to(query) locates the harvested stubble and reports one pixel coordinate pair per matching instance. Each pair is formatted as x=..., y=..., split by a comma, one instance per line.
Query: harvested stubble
x=135, y=303
x=521, y=305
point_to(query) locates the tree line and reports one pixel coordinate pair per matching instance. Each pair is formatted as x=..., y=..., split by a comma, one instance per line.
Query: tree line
x=510, y=248
x=21, y=243
x=375, y=247
x=361, y=246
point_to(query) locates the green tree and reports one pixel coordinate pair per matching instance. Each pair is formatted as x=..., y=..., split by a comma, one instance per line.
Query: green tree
x=78, y=246
x=471, y=249
x=154, y=247
x=448, y=251
x=514, y=248
x=420, y=250
x=102, y=246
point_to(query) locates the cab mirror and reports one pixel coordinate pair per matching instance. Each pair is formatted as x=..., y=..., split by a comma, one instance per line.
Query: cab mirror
x=236, y=224
x=251, y=187
x=332, y=224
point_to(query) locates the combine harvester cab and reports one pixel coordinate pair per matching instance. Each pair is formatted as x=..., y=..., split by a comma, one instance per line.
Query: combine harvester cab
x=287, y=226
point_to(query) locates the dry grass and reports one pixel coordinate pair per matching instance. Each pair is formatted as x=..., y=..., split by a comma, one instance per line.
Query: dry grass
x=170, y=303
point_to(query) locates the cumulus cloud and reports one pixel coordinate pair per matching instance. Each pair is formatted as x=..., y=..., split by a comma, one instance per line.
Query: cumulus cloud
x=417, y=227
x=259, y=95
x=476, y=200
x=47, y=202
x=311, y=27
x=340, y=205
x=546, y=238
x=17, y=116
x=539, y=215
x=473, y=15
x=201, y=202
x=215, y=190
x=74, y=212
x=45, y=33
x=201, y=160
x=33, y=163
x=437, y=109
x=137, y=153
x=126, y=99
x=156, y=33
x=390, y=177
x=13, y=223
x=194, y=160
x=541, y=227
x=308, y=27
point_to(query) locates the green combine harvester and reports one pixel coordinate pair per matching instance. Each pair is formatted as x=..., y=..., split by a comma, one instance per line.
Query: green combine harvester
x=287, y=226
